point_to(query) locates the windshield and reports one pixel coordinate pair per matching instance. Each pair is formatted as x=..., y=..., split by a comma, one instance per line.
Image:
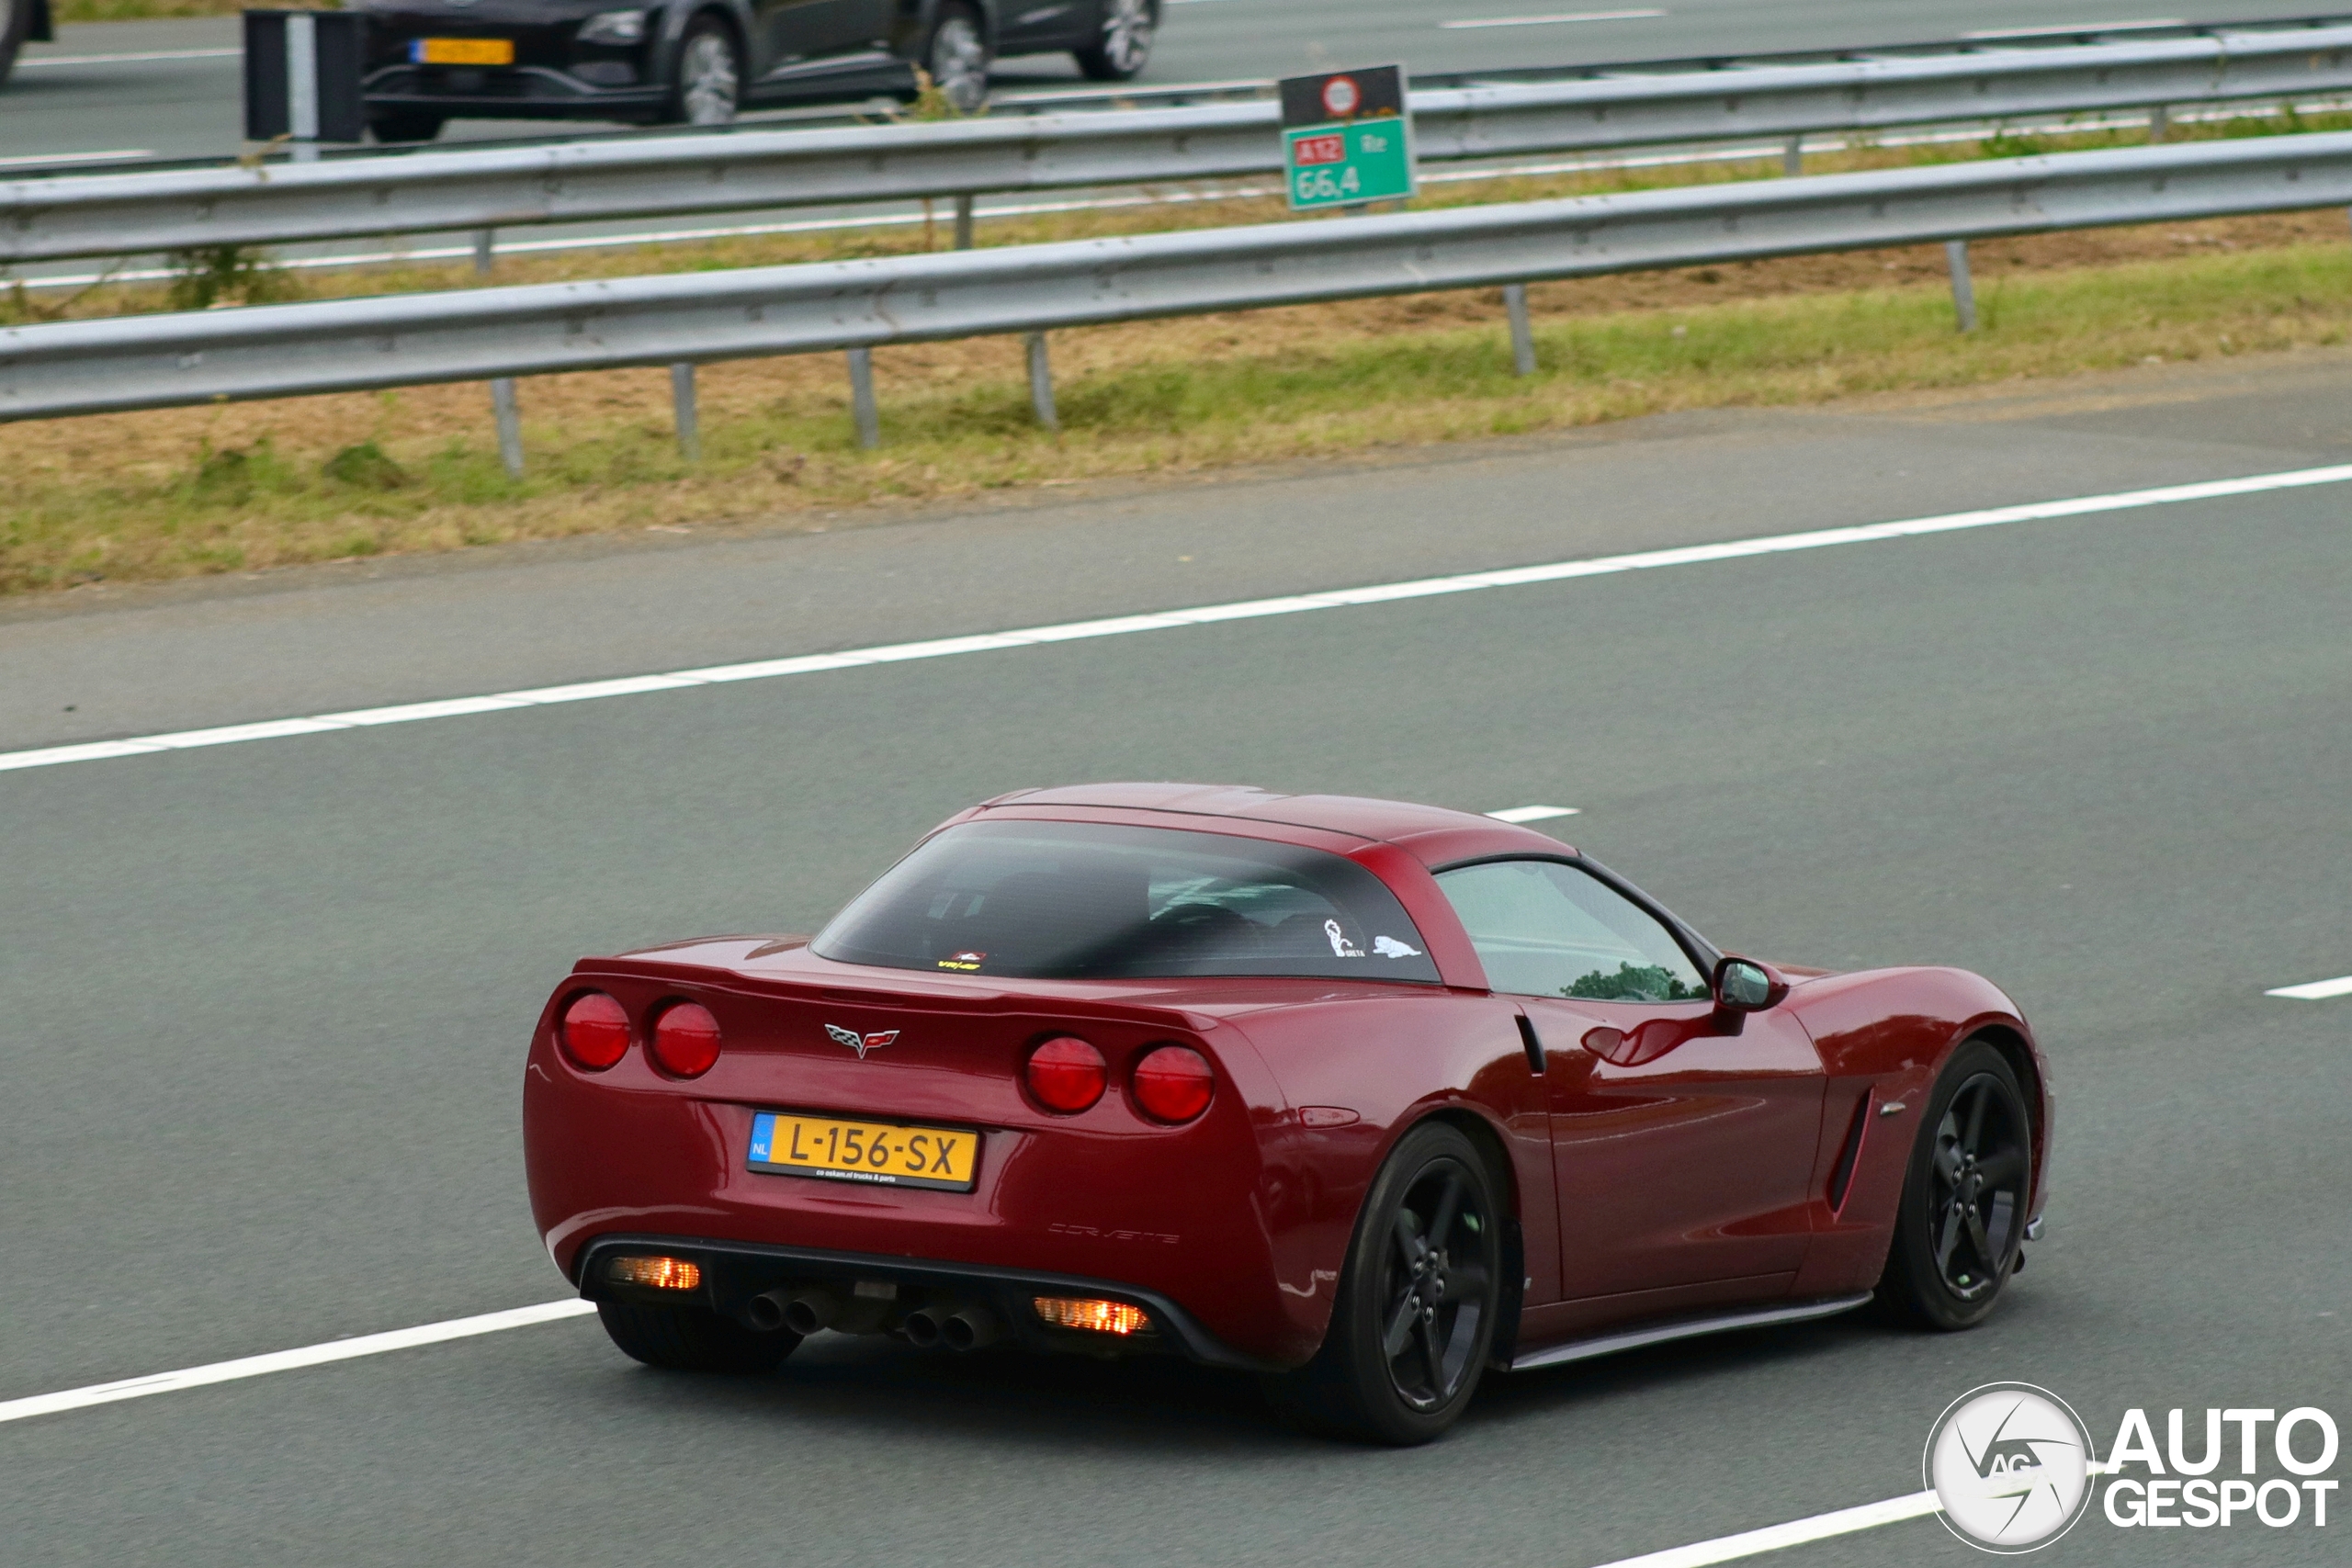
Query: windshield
x=1083, y=900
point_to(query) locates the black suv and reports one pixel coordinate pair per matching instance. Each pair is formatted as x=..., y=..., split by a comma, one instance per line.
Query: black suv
x=697, y=62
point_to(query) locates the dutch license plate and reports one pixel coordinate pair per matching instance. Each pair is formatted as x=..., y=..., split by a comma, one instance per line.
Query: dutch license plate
x=887, y=1154
x=461, y=52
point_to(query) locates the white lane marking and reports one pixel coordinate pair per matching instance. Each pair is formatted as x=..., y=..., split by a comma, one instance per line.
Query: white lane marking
x=1550, y=21
x=2316, y=990
x=1532, y=813
x=121, y=155
x=1208, y=614
x=1796, y=1532
x=1993, y=35
x=288, y=1360
x=35, y=65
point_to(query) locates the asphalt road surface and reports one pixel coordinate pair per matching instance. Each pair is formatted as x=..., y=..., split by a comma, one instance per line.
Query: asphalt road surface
x=265, y=1004
x=85, y=93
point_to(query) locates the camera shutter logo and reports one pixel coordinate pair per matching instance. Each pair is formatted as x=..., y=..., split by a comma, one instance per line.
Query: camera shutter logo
x=2011, y=1464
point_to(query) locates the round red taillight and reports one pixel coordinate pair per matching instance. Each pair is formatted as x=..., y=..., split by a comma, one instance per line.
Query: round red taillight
x=1173, y=1083
x=685, y=1040
x=1067, y=1073
x=596, y=1030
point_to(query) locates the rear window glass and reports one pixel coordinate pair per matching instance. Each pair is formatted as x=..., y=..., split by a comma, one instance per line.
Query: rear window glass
x=1083, y=900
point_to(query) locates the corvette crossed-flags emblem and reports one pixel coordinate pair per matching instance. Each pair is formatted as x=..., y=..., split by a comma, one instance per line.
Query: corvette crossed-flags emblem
x=861, y=1043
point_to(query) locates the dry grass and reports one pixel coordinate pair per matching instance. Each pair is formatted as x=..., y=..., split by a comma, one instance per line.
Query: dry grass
x=181, y=493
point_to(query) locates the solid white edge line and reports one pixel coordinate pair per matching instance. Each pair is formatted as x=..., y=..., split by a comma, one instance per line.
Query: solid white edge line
x=1549, y=21
x=34, y=64
x=944, y=648
x=2316, y=990
x=290, y=1361
x=1796, y=1532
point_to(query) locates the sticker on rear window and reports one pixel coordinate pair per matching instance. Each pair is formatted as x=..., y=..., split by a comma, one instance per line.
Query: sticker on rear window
x=966, y=962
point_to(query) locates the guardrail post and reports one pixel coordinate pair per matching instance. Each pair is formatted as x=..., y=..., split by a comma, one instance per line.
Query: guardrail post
x=682, y=408
x=1792, y=156
x=485, y=250
x=1963, y=289
x=1522, y=334
x=860, y=397
x=2159, y=123
x=510, y=425
x=964, y=222
x=1041, y=383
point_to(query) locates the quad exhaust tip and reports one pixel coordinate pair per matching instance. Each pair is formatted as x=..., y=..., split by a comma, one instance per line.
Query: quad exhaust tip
x=962, y=1326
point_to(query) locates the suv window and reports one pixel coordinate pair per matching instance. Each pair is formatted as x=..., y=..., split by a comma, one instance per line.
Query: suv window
x=1542, y=929
x=1083, y=900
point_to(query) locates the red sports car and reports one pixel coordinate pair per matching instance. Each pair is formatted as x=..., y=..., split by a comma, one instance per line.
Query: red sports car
x=1361, y=1096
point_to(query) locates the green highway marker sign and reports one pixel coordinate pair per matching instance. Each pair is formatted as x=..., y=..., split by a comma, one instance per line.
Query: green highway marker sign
x=1346, y=138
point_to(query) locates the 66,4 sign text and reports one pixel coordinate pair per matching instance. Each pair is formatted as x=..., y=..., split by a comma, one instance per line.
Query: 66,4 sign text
x=1346, y=138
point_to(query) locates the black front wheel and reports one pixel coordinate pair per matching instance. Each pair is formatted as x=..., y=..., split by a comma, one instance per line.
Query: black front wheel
x=1122, y=44
x=1415, y=1315
x=956, y=56
x=694, y=1339
x=709, y=83
x=1964, y=1196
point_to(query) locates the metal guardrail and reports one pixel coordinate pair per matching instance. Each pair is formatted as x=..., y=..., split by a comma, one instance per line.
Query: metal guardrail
x=405, y=340
x=61, y=216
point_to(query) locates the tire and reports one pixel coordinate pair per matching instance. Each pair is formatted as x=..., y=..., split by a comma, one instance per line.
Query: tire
x=1122, y=46
x=956, y=56
x=694, y=1339
x=1408, y=1342
x=1964, y=1195
x=707, y=86
x=404, y=125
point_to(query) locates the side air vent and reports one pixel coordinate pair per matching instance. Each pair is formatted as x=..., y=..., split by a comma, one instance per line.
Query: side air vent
x=1843, y=1177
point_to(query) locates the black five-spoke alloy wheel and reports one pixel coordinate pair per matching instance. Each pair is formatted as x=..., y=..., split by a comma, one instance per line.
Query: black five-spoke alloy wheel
x=1415, y=1315
x=1964, y=1196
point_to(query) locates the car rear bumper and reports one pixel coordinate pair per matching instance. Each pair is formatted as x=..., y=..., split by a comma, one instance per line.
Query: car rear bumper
x=521, y=92
x=734, y=1273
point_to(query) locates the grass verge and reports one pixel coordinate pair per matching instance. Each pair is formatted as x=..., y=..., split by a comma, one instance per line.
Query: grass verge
x=181, y=493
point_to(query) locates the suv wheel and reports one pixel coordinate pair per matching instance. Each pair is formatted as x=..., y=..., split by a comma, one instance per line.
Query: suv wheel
x=1123, y=43
x=956, y=56
x=710, y=74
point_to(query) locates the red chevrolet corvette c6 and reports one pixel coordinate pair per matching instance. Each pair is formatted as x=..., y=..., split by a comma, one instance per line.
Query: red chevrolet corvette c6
x=1361, y=1096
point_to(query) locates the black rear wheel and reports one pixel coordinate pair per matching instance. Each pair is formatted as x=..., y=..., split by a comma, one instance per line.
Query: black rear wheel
x=694, y=1339
x=1414, y=1314
x=1123, y=45
x=1964, y=1196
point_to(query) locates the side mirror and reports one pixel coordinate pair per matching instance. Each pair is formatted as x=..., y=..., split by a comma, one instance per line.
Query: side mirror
x=1743, y=986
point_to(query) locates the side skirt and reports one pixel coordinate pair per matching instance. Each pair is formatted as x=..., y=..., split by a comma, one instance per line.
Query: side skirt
x=1686, y=1328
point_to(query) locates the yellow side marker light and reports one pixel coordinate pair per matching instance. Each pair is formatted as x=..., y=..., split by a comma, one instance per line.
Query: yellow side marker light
x=1093, y=1315
x=656, y=1273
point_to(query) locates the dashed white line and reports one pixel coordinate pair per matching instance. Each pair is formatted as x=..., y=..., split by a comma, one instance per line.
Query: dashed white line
x=2316, y=990
x=288, y=1360
x=1796, y=1532
x=1550, y=21
x=121, y=155
x=1532, y=813
x=35, y=62
x=1208, y=614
